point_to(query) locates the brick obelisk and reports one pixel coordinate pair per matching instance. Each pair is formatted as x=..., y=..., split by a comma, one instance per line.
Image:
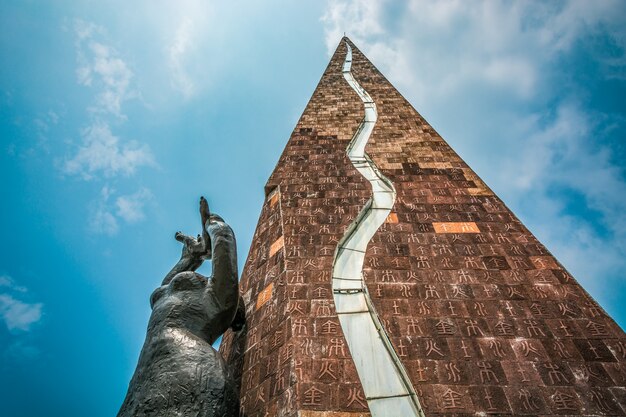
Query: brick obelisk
x=479, y=313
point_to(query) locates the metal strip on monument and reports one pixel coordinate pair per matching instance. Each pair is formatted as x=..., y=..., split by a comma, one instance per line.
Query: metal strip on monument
x=387, y=388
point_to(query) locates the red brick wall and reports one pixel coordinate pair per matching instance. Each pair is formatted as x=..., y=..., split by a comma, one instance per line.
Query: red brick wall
x=484, y=318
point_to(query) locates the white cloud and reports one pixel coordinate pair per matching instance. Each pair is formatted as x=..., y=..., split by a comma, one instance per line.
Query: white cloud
x=101, y=67
x=564, y=153
x=180, y=46
x=103, y=153
x=454, y=43
x=561, y=153
x=108, y=211
x=16, y=313
x=189, y=30
x=358, y=19
x=130, y=207
x=102, y=221
x=85, y=30
x=7, y=282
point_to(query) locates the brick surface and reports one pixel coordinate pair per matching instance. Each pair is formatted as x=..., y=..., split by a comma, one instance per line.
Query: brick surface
x=484, y=318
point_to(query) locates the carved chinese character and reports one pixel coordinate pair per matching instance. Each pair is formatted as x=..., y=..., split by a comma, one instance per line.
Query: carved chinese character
x=329, y=327
x=565, y=329
x=401, y=349
x=509, y=308
x=555, y=374
x=422, y=262
x=464, y=276
x=356, y=396
x=513, y=292
x=306, y=347
x=337, y=347
x=593, y=349
x=320, y=292
x=600, y=401
x=431, y=347
x=313, y=396
x=323, y=308
x=327, y=370
x=564, y=401
x=438, y=276
x=496, y=348
x=277, y=338
x=411, y=276
x=568, y=290
x=480, y=309
x=471, y=263
x=444, y=327
x=451, y=399
x=488, y=398
x=294, y=307
x=420, y=372
x=280, y=381
x=297, y=278
x=260, y=396
x=431, y=292
x=537, y=309
x=504, y=329
x=533, y=329
x=566, y=310
x=560, y=349
x=459, y=292
x=387, y=276
x=529, y=403
x=472, y=328
x=528, y=347
x=596, y=329
x=486, y=374
x=299, y=327
x=396, y=307
x=464, y=348
x=310, y=263
x=454, y=374
x=406, y=291
x=521, y=371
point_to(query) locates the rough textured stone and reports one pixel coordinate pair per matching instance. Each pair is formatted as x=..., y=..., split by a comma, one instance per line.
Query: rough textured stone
x=484, y=318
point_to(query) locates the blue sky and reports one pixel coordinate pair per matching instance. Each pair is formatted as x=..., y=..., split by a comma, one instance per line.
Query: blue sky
x=115, y=117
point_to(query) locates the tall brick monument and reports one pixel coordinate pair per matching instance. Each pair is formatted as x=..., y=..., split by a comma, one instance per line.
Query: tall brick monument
x=396, y=283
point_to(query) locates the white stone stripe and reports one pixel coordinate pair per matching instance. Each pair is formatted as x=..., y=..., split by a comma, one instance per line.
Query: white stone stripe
x=387, y=387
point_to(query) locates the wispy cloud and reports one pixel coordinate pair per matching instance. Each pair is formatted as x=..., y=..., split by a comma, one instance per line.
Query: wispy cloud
x=563, y=150
x=108, y=211
x=17, y=313
x=357, y=18
x=188, y=37
x=507, y=45
x=101, y=152
x=102, y=155
x=131, y=207
x=101, y=67
x=101, y=219
x=180, y=46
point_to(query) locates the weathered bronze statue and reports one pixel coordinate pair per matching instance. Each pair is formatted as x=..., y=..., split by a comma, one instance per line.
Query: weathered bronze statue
x=179, y=373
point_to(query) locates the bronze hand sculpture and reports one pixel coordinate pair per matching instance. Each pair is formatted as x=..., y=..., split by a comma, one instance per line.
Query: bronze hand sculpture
x=179, y=372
